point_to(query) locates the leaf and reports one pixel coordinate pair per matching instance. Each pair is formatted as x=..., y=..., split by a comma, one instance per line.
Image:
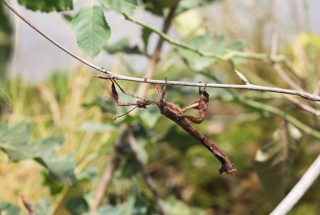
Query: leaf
x=123, y=46
x=5, y=42
x=274, y=160
x=105, y=105
x=91, y=29
x=146, y=32
x=192, y=4
x=175, y=206
x=90, y=126
x=206, y=43
x=114, y=93
x=43, y=207
x=189, y=24
x=47, y=5
x=14, y=141
x=149, y=119
x=10, y=209
x=121, y=6
x=61, y=169
x=77, y=205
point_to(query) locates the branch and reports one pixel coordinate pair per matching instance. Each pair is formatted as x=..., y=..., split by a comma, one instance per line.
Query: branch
x=299, y=189
x=304, y=95
x=27, y=204
x=109, y=75
x=302, y=106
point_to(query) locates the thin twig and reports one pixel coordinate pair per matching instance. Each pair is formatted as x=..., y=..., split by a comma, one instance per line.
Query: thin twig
x=210, y=85
x=27, y=204
x=302, y=106
x=299, y=189
x=109, y=75
x=286, y=78
x=242, y=77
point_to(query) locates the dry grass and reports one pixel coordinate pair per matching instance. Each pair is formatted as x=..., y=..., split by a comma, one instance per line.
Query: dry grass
x=50, y=114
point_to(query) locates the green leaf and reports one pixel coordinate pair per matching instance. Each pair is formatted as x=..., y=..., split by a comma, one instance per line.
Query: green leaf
x=206, y=43
x=123, y=46
x=5, y=42
x=47, y=5
x=43, y=207
x=10, y=209
x=91, y=29
x=77, y=205
x=175, y=206
x=105, y=105
x=192, y=4
x=122, y=6
x=14, y=141
x=274, y=160
x=149, y=119
x=157, y=6
x=61, y=169
x=146, y=32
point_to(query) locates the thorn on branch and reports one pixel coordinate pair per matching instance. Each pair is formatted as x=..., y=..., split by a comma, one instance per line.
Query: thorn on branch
x=242, y=77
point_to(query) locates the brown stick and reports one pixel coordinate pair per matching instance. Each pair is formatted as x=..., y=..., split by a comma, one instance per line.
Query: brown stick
x=27, y=204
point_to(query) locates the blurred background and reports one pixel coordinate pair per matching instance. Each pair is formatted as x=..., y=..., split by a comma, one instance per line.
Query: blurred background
x=50, y=99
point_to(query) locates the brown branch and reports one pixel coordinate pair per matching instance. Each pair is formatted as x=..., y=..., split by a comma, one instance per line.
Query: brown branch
x=27, y=204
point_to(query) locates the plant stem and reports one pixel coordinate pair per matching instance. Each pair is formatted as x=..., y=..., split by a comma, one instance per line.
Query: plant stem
x=299, y=189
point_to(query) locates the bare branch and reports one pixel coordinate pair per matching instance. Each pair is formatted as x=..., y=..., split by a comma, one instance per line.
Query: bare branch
x=302, y=106
x=27, y=204
x=209, y=85
x=299, y=189
x=242, y=77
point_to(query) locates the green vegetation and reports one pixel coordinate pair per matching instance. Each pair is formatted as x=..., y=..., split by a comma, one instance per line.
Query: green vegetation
x=59, y=142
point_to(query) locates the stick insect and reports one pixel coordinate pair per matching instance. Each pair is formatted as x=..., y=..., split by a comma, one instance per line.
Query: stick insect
x=176, y=114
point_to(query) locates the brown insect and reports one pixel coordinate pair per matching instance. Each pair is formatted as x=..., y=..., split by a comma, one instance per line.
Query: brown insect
x=176, y=114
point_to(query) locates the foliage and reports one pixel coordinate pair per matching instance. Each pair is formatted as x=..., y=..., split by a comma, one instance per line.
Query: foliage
x=14, y=141
x=5, y=41
x=257, y=131
x=93, y=38
x=47, y=5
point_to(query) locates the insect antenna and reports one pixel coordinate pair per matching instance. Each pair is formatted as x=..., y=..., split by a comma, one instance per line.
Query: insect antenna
x=125, y=113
